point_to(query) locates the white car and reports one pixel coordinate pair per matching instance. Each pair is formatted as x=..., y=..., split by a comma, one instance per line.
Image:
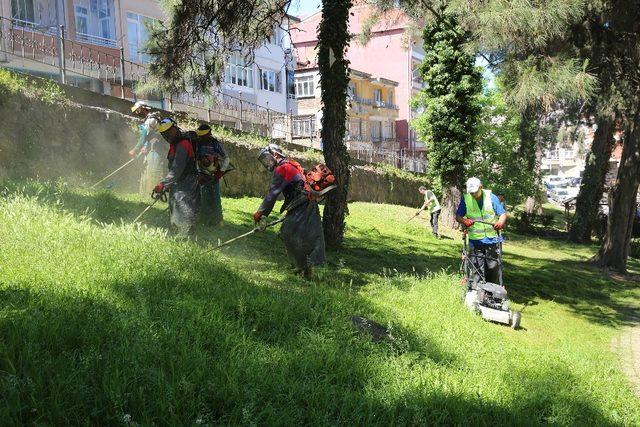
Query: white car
x=555, y=180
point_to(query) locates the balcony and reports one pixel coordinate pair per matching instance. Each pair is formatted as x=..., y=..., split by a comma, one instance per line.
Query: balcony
x=373, y=103
x=95, y=40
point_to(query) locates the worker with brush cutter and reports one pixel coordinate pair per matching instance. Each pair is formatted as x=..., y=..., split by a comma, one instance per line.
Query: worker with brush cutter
x=481, y=212
x=143, y=148
x=430, y=202
x=213, y=163
x=181, y=181
x=302, y=227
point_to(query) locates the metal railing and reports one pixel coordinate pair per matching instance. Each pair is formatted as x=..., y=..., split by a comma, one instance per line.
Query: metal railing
x=51, y=47
x=100, y=41
x=399, y=158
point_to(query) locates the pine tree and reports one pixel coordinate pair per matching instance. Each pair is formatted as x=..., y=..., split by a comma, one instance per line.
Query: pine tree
x=451, y=108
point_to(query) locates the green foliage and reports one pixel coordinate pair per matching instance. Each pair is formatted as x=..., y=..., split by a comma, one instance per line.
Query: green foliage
x=494, y=157
x=450, y=102
x=12, y=83
x=106, y=322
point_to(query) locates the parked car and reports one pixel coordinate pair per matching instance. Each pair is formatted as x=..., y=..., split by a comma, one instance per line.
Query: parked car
x=555, y=180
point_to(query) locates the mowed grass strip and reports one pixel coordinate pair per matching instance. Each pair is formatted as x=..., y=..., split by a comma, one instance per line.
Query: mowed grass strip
x=106, y=322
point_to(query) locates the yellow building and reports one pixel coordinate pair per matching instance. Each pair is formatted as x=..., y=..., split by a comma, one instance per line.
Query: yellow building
x=371, y=111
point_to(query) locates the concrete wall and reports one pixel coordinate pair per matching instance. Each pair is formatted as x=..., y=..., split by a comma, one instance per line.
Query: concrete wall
x=88, y=137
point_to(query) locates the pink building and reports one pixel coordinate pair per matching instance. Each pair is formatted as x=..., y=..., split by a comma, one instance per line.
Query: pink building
x=390, y=53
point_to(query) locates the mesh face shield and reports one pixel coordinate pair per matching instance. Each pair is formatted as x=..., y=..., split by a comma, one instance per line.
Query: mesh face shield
x=267, y=160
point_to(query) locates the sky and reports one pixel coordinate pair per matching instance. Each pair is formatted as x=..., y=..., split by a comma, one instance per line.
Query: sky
x=303, y=8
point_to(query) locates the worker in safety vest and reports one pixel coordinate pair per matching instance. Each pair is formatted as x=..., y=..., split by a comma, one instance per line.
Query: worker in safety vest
x=301, y=230
x=213, y=162
x=148, y=129
x=181, y=181
x=482, y=214
x=431, y=202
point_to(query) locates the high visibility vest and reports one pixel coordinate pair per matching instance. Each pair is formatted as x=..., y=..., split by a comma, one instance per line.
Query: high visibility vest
x=487, y=214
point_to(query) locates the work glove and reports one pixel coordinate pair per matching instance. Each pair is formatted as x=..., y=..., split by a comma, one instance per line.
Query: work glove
x=498, y=226
x=159, y=189
x=143, y=150
x=257, y=216
x=468, y=222
x=218, y=175
x=132, y=153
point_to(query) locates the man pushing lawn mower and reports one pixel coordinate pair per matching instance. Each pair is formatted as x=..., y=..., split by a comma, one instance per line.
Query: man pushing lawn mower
x=482, y=260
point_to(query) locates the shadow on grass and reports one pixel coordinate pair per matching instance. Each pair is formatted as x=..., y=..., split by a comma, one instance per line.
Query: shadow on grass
x=218, y=348
x=586, y=290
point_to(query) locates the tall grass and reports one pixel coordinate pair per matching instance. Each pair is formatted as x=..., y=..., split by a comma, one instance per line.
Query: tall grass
x=106, y=322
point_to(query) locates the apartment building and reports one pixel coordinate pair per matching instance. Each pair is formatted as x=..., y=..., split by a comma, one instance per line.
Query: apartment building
x=268, y=79
x=371, y=111
x=99, y=32
x=391, y=52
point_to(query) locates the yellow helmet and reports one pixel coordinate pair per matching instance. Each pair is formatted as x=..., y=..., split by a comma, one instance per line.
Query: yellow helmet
x=166, y=124
x=203, y=130
x=138, y=105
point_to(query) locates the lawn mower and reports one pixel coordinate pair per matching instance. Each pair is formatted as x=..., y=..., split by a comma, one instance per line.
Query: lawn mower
x=488, y=299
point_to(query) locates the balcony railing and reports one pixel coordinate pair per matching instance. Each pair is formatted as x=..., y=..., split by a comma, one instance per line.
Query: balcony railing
x=46, y=29
x=99, y=41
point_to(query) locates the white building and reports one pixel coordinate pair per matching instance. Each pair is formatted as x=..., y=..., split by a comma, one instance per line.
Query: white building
x=268, y=80
x=98, y=29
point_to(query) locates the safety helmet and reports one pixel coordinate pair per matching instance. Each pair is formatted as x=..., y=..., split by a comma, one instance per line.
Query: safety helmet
x=266, y=156
x=138, y=105
x=166, y=124
x=203, y=130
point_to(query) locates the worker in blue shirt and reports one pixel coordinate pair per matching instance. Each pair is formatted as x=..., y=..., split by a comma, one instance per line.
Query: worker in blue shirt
x=481, y=212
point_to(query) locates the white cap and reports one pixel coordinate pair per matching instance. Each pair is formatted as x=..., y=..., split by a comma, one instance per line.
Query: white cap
x=473, y=185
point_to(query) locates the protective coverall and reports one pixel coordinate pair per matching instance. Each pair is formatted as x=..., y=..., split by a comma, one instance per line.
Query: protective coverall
x=182, y=184
x=210, y=197
x=302, y=228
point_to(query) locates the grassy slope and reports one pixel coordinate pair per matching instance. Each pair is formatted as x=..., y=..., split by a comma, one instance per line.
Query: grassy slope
x=101, y=320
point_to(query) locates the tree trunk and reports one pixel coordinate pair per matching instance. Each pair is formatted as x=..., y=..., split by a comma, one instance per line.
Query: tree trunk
x=614, y=250
x=529, y=150
x=592, y=186
x=333, y=39
x=450, y=198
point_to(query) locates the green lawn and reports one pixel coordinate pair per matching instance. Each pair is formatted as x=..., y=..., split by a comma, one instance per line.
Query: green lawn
x=105, y=322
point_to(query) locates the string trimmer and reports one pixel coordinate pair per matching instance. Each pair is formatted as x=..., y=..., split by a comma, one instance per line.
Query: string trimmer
x=156, y=198
x=115, y=171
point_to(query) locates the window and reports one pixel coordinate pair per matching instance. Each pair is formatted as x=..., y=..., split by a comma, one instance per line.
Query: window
x=376, y=131
x=269, y=80
x=304, y=126
x=355, y=131
x=137, y=36
x=238, y=72
x=387, y=130
x=274, y=38
x=390, y=97
x=22, y=10
x=351, y=91
x=291, y=84
x=305, y=87
x=82, y=20
x=378, y=96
